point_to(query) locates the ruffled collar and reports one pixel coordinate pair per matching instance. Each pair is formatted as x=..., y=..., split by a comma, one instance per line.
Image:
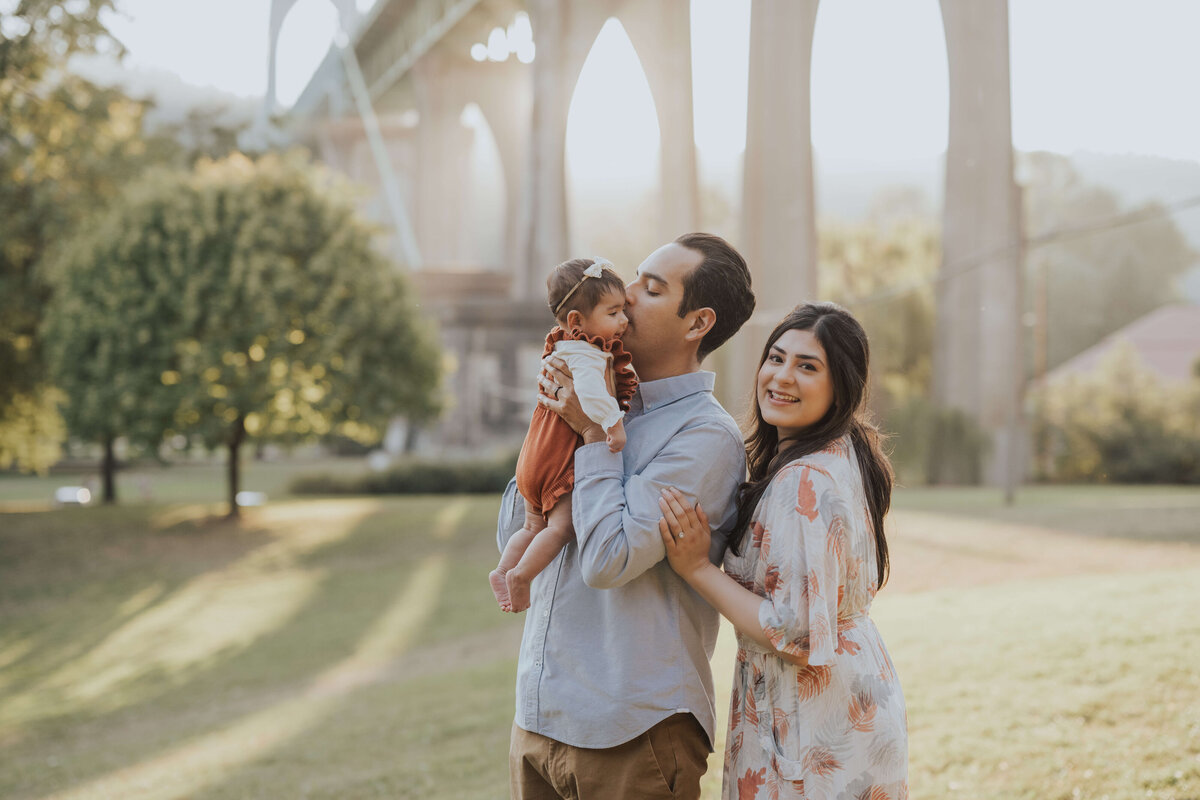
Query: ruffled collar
x=625, y=379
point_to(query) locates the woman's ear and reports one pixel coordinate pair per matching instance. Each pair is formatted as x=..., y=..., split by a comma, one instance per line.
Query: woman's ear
x=703, y=320
x=574, y=320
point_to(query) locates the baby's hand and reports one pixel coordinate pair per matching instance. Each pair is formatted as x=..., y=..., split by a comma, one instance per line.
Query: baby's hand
x=616, y=438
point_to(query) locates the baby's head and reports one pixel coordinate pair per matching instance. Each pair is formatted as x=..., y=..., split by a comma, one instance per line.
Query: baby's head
x=587, y=294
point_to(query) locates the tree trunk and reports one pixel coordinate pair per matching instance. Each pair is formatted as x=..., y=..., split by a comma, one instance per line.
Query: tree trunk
x=109, y=470
x=237, y=435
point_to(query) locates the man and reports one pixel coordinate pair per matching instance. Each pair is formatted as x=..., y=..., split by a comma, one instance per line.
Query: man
x=614, y=689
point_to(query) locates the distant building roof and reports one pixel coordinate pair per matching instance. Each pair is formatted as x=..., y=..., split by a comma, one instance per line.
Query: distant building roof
x=1167, y=340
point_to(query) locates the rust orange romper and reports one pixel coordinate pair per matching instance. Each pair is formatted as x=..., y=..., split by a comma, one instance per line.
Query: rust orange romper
x=546, y=466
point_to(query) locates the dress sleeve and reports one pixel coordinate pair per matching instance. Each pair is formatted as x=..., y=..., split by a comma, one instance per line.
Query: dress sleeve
x=588, y=372
x=803, y=531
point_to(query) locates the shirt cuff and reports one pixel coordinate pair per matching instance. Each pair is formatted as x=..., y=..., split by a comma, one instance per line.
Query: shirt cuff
x=596, y=459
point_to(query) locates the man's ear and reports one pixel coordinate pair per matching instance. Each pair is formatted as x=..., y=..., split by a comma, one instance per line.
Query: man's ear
x=574, y=319
x=703, y=320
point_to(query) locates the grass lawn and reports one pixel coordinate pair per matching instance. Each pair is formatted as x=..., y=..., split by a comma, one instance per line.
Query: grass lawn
x=351, y=648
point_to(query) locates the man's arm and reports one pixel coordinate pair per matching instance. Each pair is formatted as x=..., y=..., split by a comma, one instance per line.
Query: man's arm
x=512, y=515
x=616, y=519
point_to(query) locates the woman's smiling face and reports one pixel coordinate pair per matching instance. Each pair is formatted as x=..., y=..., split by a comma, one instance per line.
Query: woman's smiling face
x=795, y=388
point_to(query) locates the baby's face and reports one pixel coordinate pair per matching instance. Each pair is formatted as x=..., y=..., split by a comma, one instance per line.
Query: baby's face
x=607, y=320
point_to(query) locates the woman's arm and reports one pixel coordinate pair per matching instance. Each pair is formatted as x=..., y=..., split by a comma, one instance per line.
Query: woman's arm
x=686, y=536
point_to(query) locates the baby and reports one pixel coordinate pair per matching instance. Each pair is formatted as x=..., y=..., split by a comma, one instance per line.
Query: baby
x=588, y=300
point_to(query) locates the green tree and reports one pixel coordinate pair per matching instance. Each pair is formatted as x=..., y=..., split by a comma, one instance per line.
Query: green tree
x=885, y=277
x=1087, y=286
x=66, y=147
x=242, y=299
x=884, y=273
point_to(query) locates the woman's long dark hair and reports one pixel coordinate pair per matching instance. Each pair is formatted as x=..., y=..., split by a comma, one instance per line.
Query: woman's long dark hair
x=848, y=357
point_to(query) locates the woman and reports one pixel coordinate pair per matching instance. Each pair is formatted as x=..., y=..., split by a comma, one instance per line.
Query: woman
x=816, y=708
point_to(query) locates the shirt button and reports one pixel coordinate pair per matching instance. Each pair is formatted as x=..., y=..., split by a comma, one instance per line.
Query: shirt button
x=537, y=663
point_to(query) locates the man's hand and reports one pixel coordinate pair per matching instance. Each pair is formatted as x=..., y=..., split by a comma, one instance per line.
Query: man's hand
x=556, y=391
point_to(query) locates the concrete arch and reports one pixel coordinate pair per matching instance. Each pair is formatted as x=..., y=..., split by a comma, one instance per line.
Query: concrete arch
x=347, y=15
x=565, y=32
x=660, y=33
x=661, y=36
x=613, y=153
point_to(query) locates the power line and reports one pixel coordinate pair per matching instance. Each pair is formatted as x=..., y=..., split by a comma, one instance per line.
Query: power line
x=1040, y=240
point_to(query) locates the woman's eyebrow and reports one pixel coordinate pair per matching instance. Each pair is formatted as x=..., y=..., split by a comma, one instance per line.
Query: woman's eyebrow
x=801, y=356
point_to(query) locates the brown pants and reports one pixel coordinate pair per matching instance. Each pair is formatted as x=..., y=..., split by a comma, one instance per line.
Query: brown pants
x=666, y=761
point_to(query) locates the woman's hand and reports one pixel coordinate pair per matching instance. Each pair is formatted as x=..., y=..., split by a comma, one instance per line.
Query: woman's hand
x=685, y=534
x=556, y=391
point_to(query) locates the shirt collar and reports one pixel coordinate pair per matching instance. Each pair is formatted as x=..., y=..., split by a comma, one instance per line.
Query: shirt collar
x=667, y=390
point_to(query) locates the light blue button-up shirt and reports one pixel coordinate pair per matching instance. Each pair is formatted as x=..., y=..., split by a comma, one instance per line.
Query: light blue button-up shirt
x=614, y=640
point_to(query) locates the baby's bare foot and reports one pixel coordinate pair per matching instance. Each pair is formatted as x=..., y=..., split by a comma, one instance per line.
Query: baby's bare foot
x=500, y=588
x=518, y=591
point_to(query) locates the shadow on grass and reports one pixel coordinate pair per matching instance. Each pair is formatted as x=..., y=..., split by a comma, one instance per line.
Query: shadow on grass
x=70, y=578
x=396, y=578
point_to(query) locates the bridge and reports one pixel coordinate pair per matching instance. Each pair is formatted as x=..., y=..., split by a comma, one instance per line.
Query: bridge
x=385, y=105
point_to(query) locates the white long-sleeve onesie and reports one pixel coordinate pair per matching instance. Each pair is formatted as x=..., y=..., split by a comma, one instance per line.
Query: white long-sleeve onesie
x=589, y=366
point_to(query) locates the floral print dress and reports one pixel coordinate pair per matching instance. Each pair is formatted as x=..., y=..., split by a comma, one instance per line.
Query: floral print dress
x=835, y=729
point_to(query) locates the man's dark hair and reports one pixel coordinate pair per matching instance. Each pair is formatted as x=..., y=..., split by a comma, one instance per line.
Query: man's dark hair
x=721, y=282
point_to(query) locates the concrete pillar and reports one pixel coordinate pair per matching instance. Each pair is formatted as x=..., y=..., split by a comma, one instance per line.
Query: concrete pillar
x=779, y=232
x=661, y=34
x=544, y=236
x=504, y=93
x=977, y=354
x=444, y=145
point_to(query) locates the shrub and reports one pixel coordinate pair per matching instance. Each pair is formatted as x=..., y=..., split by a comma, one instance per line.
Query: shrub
x=1118, y=424
x=935, y=445
x=416, y=477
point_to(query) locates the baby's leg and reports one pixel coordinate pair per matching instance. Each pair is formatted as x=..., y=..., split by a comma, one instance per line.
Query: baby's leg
x=542, y=550
x=511, y=556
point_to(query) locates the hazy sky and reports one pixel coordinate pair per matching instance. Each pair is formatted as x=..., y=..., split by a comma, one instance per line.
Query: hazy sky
x=1109, y=76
